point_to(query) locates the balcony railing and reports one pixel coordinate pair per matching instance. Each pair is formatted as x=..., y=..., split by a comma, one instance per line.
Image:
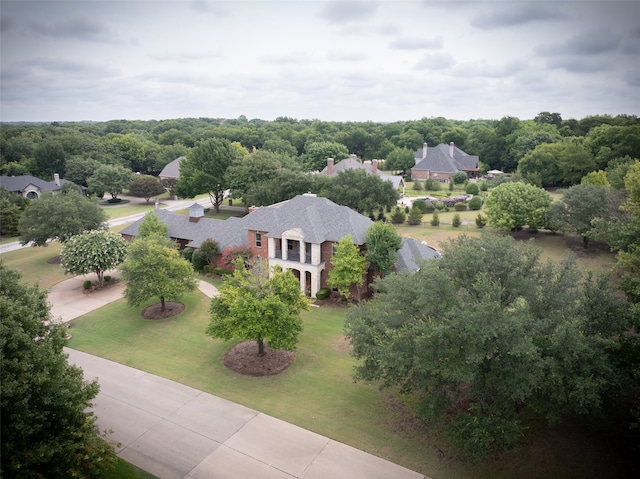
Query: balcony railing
x=293, y=256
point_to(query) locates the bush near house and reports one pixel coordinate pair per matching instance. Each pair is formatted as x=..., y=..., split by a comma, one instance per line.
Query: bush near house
x=475, y=203
x=460, y=206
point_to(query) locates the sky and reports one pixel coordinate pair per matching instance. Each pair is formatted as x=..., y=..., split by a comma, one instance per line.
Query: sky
x=380, y=61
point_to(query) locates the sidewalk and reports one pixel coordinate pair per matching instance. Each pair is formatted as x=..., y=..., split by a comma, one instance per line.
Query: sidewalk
x=176, y=432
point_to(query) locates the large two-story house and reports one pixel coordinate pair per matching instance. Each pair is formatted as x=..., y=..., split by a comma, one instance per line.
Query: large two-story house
x=353, y=163
x=298, y=234
x=442, y=162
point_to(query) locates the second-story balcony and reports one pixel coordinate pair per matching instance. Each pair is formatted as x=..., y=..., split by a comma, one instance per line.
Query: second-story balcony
x=293, y=256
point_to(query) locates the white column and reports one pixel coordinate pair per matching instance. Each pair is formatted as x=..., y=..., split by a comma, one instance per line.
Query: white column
x=315, y=282
x=315, y=254
x=285, y=249
x=303, y=281
x=303, y=251
x=271, y=247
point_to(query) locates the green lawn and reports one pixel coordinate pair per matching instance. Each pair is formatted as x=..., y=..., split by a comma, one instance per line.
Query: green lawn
x=317, y=392
x=33, y=263
x=125, y=470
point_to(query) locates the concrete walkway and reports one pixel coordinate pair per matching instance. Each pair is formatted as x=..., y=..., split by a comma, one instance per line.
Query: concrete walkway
x=175, y=431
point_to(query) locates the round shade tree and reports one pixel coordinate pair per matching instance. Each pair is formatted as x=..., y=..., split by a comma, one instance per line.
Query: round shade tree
x=256, y=305
x=93, y=252
x=145, y=186
x=514, y=205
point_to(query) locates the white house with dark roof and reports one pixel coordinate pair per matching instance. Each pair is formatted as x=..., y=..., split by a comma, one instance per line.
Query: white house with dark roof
x=352, y=163
x=298, y=234
x=442, y=162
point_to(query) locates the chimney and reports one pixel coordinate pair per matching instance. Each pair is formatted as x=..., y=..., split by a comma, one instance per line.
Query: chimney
x=56, y=179
x=451, y=147
x=196, y=211
x=329, y=166
x=424, y=151
x=374, y=166
x=353, y=156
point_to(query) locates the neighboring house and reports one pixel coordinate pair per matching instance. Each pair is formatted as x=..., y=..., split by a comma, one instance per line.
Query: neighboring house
x=298, y=234
x=352, y=163
x=442, y=162
x=172, y=170
x=30, y=186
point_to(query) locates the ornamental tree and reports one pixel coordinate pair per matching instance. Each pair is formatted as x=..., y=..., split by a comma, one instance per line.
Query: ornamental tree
x=154, y=268
x=255, y=304
x=95, y=251
x=513, y=205
x=46, y=427
x=145, y=186
x=348, y=267
x=59, y=217
x=383, y=244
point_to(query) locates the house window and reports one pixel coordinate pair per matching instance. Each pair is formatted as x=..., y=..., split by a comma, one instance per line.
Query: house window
x=290, y=245
x=258, y=240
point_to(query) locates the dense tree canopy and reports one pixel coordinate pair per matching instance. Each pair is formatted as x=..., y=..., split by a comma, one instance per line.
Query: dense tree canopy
x=59, y=217
x=348, y=267
x=383, y=244
x=112, y=179
x=359, y=190
x=488, y=333
x=47, y=431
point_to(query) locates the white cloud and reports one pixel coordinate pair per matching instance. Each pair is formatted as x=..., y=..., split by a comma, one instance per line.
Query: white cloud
x=515, y=15
x=416, y=43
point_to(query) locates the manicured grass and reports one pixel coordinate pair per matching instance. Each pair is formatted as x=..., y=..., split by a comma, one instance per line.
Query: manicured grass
x=32, y=262
x=317, y=392
x=125, y=470
x=114, y=212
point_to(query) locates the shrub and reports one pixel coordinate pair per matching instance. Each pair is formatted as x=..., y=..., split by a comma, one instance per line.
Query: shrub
x=481, y=220
x=472, y=189
x=107, y=278
x=456, y=222
x=417, y=185
x=435, y=219
x=198, y=260
x=459, y=178
x=430, y=208
x=421, y=205
x=187, y=253
x=415, y=216
x=475, y=203
x=407, y=209
x=372, y=216
x=221, y=271
x=210, y=251
x=230, y=256
x=398, y=216
x=381, y=216
x=86, y=284
x=439, y=205
x=483, y=186
x=323, y=293
x=432, y=185
x=450, y=185
x=460, y=206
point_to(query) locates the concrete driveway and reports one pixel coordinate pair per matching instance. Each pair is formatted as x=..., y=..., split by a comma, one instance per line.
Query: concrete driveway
x=174, y=431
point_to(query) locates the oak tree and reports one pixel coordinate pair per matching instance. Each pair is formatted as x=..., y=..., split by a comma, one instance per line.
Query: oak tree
x=348, y=267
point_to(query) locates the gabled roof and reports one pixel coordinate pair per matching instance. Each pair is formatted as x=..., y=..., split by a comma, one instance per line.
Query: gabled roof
x=439, y=159
x=353, y=163
x=17, y=184
x=413, y=251
x=318, y=219
x=172, y=170
x=228, y=232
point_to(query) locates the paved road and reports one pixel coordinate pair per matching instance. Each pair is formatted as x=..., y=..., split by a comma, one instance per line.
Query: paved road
x=177, y=432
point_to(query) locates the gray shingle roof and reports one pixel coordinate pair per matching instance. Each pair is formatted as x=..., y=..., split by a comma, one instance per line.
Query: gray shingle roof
x=413, y=251
x=439, y=160
x=172, y=170
x=318, y=219
x=17, y=184
x=354, y=164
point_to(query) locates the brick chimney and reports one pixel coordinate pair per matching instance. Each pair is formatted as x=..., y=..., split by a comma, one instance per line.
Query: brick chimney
x=451, y=147
x=374, y=166
x=196, y=211
x=329, y=166
x=424, y=151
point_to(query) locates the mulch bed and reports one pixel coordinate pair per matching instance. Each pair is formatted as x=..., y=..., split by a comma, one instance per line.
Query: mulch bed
x=243, y=358
x=155, y=312
x=55, y=260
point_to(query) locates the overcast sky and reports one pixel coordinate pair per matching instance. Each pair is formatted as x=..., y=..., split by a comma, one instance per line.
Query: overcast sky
x=335, y=60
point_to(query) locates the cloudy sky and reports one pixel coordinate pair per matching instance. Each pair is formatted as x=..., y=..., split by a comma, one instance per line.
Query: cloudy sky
x=333, y=60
